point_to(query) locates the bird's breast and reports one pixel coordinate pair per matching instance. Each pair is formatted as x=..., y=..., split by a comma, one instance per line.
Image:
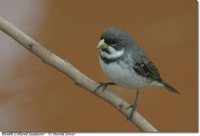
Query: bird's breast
x=122, y=74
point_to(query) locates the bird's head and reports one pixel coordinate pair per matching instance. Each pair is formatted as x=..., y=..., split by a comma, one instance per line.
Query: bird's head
x=113, y=43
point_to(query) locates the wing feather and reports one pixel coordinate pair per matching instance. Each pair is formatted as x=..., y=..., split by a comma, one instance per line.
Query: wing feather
x=144, y=66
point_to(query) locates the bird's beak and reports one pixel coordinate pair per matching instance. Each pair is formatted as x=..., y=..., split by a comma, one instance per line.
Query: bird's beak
x=102, y=45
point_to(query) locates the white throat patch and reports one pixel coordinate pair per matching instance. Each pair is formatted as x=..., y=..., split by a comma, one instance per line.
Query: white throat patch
x=113, y=53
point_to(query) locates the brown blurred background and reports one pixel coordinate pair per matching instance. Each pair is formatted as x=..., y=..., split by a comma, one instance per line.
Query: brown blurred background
x=36, y=97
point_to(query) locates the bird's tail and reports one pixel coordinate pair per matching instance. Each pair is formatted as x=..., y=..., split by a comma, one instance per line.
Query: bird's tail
x=170, y=88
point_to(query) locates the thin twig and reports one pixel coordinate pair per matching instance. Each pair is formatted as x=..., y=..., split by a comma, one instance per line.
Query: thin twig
x=79, y=78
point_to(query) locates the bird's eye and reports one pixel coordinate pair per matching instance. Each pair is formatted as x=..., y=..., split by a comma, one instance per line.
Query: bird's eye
x=110, y=42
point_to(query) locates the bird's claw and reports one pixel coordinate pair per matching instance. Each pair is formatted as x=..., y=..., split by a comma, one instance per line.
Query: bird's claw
x=133, y=109
x=103, y=85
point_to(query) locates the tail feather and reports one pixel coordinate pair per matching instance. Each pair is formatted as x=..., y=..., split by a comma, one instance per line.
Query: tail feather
x=170, y=88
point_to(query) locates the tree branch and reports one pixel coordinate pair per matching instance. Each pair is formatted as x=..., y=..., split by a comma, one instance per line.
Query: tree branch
x=69, y=70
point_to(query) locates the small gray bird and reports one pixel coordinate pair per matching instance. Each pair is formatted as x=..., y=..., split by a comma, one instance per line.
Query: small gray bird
x=127, y=65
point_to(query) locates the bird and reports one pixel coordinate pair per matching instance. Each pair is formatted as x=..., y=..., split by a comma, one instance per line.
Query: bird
x=126, y=65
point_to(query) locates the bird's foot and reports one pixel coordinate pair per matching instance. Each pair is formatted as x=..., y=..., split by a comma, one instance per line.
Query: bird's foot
x=133, y=109
x=103, y=86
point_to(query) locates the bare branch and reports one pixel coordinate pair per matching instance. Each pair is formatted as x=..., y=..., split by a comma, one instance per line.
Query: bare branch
x=69, y=70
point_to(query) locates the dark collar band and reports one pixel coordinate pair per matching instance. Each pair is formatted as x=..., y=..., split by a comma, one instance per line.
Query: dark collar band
x=107, y=60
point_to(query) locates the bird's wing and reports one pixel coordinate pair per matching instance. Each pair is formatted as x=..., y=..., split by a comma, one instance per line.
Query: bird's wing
x=145, y=67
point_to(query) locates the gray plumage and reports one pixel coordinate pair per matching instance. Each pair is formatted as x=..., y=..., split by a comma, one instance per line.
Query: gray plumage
x=133, y=55
x=127, y=65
